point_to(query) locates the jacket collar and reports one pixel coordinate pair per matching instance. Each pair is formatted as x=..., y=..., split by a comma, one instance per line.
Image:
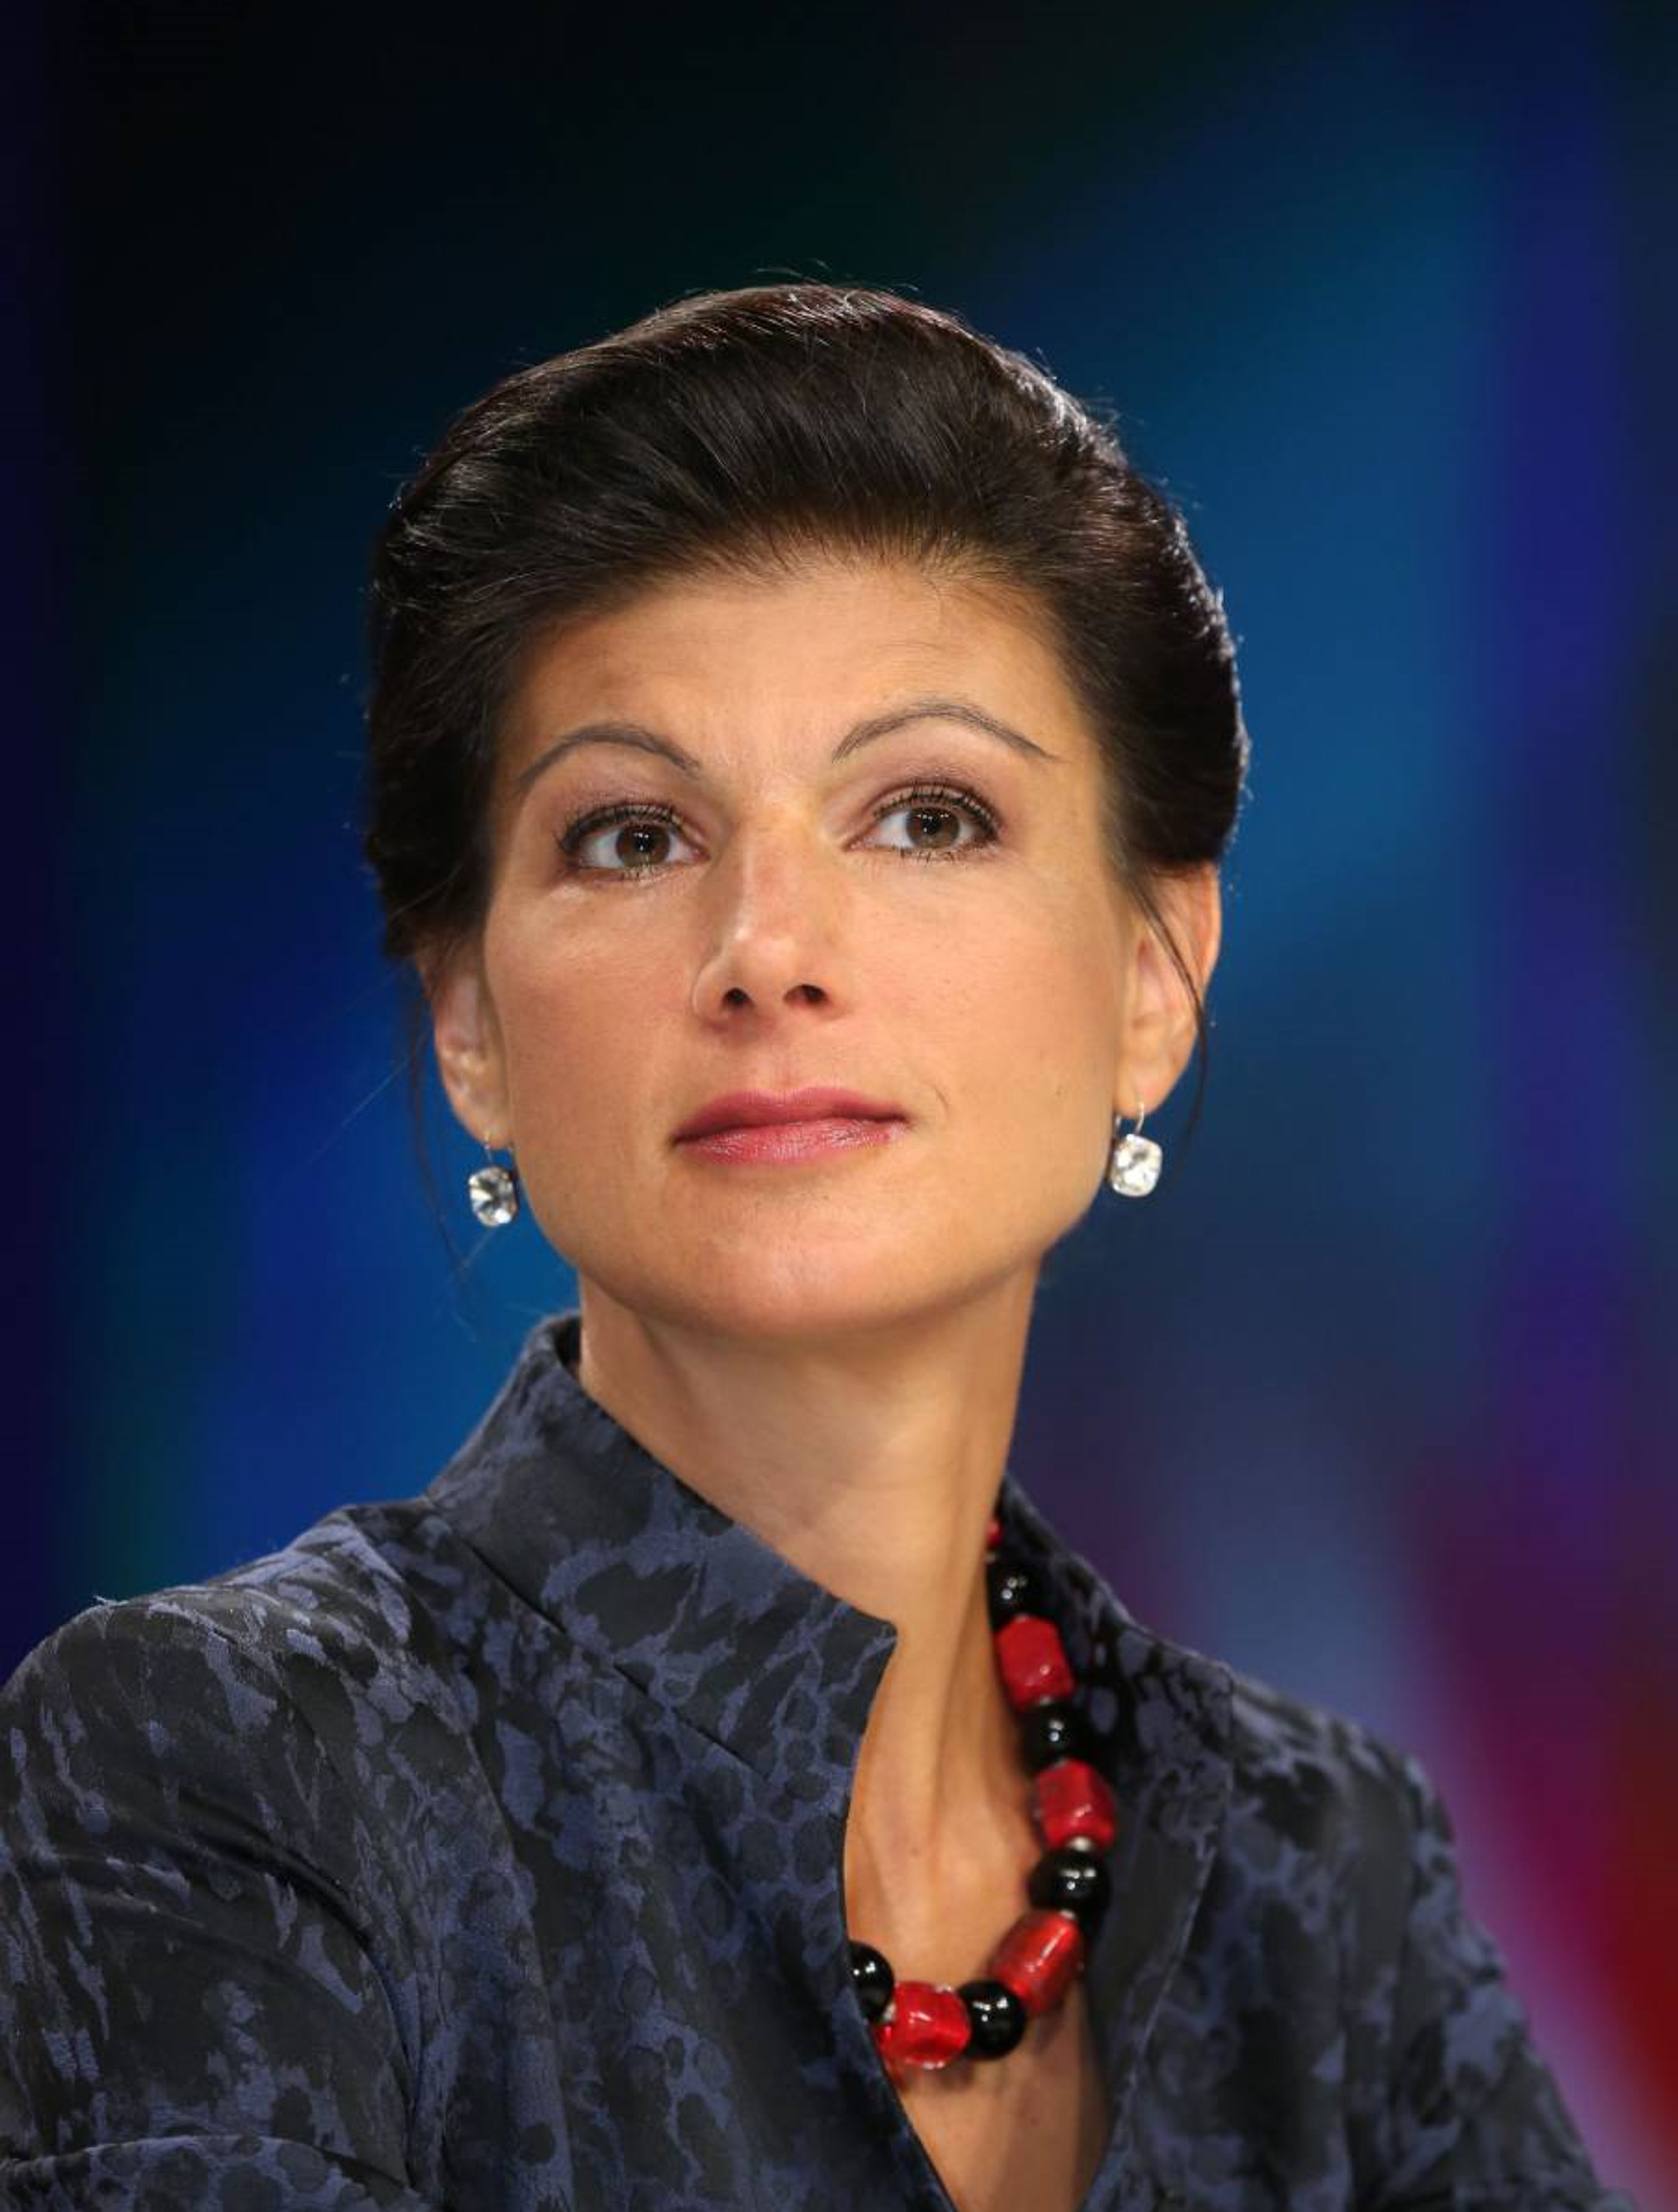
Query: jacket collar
x=652, y=1579
x=649, y=1577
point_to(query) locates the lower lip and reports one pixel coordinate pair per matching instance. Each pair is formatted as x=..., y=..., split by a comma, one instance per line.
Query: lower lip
x=792, y=1140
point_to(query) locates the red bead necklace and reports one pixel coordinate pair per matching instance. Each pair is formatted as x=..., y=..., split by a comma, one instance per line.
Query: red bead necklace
x=928, y=2024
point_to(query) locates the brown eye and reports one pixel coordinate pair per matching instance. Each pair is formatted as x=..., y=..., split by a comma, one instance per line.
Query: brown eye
x=641, y=844
x=628, y=841
x=935, y=819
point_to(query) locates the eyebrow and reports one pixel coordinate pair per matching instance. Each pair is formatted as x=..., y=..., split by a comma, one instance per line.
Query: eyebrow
x=862, y=733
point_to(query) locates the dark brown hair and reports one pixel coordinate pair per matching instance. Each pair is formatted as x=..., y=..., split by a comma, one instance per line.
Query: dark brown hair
x=736, y=431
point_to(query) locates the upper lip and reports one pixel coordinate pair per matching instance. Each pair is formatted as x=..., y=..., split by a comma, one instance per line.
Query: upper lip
x=740, y=1109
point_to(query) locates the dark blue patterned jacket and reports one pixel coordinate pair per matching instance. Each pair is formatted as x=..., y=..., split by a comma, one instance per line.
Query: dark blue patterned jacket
x=484, y=1851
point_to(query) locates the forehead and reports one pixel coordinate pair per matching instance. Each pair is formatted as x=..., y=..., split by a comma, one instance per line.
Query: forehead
x=742, y=661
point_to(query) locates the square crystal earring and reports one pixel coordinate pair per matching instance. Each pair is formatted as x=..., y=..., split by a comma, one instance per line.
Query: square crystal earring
x=1133, y=1167
x=494, y=1192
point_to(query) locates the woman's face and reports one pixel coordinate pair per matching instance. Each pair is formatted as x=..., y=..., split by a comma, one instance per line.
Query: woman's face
x=780, y=909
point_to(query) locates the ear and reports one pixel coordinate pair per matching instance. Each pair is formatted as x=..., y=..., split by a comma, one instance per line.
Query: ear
x=467, y=1037
x=1158, y=1033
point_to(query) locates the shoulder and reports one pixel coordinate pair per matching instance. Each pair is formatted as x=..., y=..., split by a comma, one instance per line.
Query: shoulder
x=1340, y=1827
x=324, y=1589
x=211, y=1900
x=306, y=1665
x=1341, y=1861
x=1317, y=1777
x=1284, y=1778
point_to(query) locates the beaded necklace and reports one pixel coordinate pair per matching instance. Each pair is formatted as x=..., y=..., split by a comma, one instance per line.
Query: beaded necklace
x=928, y=2024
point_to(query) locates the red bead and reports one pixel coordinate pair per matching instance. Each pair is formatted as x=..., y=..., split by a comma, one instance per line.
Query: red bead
x=1033, y=1662
x=993, y=1534
x=1071, y=1800
x=927, y=2026
x=1038, y=1959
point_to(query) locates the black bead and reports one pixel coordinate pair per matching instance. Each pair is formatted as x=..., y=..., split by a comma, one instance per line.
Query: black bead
x=1010, y=1589
x=1049, y=1731
x=1067, y=1879
x=997, y=2015
x=871, y=1980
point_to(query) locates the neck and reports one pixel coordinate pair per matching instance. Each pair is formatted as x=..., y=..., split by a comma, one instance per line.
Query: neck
x=871, y=1460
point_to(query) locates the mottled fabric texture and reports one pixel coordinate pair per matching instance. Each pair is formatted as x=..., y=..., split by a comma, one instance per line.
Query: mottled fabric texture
x=485, y=1849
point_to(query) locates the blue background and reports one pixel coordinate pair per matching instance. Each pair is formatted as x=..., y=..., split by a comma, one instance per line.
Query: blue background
x=1375, y=1397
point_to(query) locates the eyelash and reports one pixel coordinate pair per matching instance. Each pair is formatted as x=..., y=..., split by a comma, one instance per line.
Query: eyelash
x=954, y=796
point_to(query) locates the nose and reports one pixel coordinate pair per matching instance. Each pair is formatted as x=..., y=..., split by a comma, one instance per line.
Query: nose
x=771, y=919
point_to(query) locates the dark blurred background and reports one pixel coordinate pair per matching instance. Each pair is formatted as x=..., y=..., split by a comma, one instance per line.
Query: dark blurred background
x=1376, y=1397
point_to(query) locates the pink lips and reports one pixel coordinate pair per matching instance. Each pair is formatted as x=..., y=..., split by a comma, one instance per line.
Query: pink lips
x=791, y=1125
x=752, y=1110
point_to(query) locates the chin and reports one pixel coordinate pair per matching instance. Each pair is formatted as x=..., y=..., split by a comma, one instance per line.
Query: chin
x=802, y=1295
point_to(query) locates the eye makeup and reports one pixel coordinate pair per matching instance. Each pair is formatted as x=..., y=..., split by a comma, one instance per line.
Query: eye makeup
x=950, y=797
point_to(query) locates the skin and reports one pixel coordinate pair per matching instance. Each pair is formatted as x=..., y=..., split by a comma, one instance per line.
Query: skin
x=830, y=1352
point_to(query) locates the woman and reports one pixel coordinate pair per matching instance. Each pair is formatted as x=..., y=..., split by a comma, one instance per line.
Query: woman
x=802, y=748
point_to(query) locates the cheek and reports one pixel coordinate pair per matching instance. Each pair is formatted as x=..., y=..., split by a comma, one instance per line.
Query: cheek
x=575, y=1063
x=571, y=1048
x=1033, y=1007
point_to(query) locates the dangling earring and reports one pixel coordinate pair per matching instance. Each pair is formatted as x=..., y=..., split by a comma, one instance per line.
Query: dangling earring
x=1134, y=1166
x=494, y=1191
